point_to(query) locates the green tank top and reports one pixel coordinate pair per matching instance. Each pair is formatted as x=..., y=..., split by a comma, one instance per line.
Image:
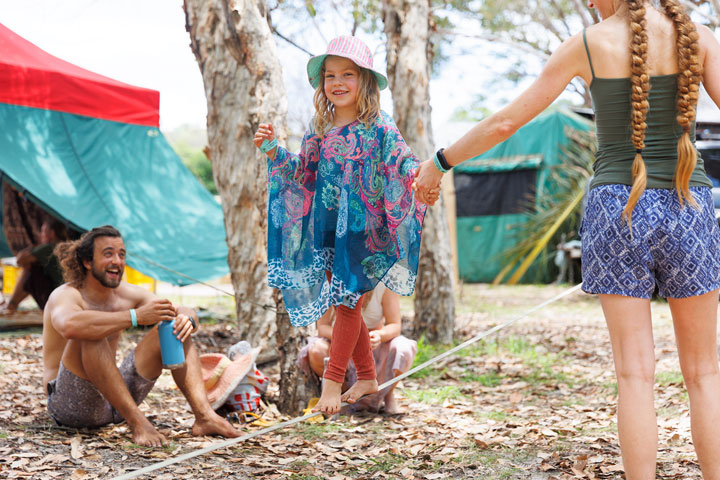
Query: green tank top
x=616, y=152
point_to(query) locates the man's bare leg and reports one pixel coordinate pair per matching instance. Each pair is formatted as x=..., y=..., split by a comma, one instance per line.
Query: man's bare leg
x=189, y=381
x=95, y=361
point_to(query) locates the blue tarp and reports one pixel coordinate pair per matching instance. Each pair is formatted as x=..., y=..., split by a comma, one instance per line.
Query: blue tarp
x=92, y=172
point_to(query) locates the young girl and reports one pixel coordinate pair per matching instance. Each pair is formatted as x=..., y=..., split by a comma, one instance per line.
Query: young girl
x=649, y=218
x=343, y=210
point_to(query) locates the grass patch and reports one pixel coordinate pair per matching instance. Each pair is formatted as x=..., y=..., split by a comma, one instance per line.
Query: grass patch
x=571, y=402
x=435, y=396
x=612, y=386
x=386, y=462
x=314, y=431
x=503, y=462
x=489, y=379
x=665, y=379
x=497, y=415
x=543, y=366
x=426, y=351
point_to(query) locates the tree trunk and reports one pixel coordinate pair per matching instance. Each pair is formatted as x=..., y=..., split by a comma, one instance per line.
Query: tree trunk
x=409, y=51
x=233, y=46
x=244, y=86
x=295, y=389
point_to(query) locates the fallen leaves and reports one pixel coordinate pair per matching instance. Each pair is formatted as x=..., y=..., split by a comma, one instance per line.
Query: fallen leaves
x=515, y=412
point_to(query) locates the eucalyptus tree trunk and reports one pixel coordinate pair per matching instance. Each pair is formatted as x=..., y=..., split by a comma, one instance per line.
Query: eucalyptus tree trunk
x=409, y=52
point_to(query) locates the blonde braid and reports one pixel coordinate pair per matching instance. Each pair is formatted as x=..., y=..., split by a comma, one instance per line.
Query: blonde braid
x=689, y=77
x=640, y=88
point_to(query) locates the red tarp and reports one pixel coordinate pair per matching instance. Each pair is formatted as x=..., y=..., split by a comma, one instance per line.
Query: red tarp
x=31, y=77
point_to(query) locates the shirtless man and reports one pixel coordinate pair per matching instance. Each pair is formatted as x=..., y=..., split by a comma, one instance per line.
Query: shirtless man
x=81, y=328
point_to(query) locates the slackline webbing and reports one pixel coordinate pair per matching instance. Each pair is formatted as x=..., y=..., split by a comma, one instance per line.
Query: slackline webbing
x=195, y=280
x=287, y=423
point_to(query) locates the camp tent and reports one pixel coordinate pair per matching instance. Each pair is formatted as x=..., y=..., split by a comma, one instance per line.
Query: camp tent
x=88, y=149
x=494, y=189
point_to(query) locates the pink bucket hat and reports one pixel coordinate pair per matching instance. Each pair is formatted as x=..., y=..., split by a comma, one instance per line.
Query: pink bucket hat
x=222, y=375
x=348, y=47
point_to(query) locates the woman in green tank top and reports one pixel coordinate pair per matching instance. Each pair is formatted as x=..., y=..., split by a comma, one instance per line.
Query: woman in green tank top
x=649, y=219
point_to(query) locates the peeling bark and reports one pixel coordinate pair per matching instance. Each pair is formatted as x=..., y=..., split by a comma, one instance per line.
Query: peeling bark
x=409, y=51
x=243, y=80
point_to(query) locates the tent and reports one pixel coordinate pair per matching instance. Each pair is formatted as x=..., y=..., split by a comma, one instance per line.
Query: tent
x=494, y=189
x=87, y=149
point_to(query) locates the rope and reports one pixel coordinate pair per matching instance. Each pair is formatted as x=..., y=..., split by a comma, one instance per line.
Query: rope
x=195, y=280
x=233, y=441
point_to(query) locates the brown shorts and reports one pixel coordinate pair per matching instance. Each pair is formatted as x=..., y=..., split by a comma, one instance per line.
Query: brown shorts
x=76, y=402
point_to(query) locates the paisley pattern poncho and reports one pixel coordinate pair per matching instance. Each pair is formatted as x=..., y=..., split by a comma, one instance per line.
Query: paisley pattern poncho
x=343, y=205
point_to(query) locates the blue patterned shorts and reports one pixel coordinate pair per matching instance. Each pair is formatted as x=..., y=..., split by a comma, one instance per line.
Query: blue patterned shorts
x=676, y=247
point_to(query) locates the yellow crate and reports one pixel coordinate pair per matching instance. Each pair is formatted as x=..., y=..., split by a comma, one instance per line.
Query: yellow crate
x=139, y=279
x=10, y=278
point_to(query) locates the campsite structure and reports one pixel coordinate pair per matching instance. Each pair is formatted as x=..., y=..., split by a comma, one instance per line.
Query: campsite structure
x=88, y=150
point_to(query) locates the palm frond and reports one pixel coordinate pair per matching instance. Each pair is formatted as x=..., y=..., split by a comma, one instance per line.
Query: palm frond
x=568, y=180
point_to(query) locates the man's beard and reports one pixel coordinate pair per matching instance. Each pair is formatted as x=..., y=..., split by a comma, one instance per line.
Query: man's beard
x=100, y=276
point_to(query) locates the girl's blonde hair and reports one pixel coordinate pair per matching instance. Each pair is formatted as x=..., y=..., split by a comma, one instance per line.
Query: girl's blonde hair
x=688, y=83
x=368, y=102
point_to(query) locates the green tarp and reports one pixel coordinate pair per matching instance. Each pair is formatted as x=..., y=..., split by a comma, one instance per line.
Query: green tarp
x=481, y=240
x=92, y=172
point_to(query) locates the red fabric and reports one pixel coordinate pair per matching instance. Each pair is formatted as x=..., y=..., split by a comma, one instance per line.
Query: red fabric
x=31, y=77
x=350, y=338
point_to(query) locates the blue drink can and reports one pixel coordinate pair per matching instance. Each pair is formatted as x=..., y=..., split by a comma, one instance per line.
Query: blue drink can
x=171, y=349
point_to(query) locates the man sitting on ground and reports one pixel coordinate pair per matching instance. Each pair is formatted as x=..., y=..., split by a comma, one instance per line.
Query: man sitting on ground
x=41, y=273
x=81, y=329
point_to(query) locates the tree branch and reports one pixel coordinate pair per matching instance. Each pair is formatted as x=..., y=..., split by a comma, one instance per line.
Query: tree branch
x=582, y=10
x=714, y=20
x=274, y=30
x=494, y=38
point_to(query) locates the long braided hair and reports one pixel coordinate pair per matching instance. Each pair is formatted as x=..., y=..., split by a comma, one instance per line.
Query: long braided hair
x=689, y=76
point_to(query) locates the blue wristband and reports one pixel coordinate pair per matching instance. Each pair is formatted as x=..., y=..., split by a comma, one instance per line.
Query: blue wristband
x=436, y=161
x=133, y=317
x=266, y=146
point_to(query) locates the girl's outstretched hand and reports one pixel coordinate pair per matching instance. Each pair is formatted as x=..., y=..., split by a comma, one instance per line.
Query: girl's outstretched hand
x=427, y=182
x=265, y=131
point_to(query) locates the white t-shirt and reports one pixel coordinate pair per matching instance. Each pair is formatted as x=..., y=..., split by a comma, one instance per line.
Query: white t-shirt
x=373, y=311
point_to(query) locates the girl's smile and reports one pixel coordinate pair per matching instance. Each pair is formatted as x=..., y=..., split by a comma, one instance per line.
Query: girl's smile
x=341, y=85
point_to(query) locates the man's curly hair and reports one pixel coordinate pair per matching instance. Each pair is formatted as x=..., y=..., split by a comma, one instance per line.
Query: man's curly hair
x=72, y=254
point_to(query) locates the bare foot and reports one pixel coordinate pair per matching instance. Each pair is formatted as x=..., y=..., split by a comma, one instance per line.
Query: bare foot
x=214, y=424
x=8, y=308
x=143, y=433
x=329, y=402
x=391, y=405
x=360, y=389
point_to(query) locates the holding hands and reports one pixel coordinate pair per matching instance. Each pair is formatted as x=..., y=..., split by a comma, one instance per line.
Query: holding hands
x=427, y=183
x=265, y=139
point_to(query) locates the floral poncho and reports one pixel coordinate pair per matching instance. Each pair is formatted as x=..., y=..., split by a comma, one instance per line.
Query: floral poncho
x=343, y=205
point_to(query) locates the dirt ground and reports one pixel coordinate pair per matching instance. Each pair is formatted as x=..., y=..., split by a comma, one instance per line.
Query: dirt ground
x=535, y=401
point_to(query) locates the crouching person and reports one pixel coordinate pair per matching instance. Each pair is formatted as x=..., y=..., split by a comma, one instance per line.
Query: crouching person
x=81, y=329
x=393, y=353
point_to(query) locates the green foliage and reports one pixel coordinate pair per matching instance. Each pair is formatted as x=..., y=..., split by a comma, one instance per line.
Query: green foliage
x=435, y=396
x=196, y=161
x=489, y=379
x=310, y=8
x=315, y=431
x=665, y=379
x=570, y=178
x=474, y=112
